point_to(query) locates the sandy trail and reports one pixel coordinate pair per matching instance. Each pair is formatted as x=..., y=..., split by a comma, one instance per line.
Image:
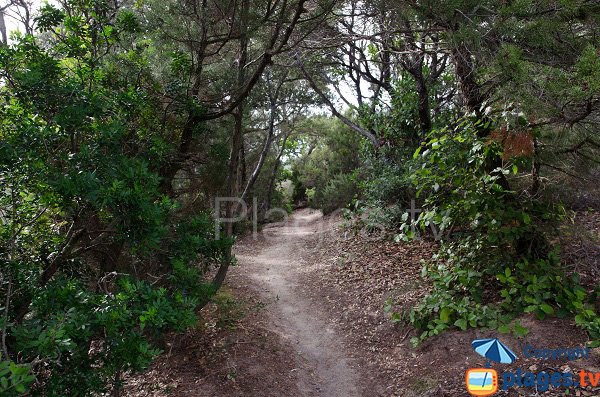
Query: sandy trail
x=324, y=365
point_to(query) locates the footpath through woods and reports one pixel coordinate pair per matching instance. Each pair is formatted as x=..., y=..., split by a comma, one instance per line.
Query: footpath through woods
x=277, y=270
x=302, y=315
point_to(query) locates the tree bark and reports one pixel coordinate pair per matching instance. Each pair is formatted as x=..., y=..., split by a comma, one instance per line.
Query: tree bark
x=237, y=142
x=271, y=187
x=423, y=106
x=4, y=40
x=465, y=72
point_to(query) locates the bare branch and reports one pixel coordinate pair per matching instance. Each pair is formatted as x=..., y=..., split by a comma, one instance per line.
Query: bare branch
x=365, y=133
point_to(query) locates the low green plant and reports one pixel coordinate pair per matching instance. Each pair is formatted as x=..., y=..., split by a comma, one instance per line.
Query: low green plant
x=15, y=379
x=231, y=310
x=86, y=340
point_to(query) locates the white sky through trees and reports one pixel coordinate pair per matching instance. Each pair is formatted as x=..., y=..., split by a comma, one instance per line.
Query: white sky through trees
x=14, y=14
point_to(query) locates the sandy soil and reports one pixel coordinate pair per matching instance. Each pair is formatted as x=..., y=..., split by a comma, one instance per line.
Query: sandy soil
x=277, y=269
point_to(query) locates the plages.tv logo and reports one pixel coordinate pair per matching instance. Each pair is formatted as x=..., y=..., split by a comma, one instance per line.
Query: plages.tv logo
x=484, y=381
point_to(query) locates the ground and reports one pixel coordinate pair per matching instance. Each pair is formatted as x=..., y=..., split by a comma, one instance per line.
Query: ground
x=302, y=315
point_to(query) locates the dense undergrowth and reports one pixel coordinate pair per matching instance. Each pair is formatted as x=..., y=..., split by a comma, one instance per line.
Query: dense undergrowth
x=97, y=260
x=497, y=258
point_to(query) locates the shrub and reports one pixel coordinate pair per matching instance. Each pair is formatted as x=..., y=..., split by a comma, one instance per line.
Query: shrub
x=14, y=379
x=338, y=193
x=97, y=260
x=86, y=340
x=497, y=263
x=326, y=175
x=388, y=180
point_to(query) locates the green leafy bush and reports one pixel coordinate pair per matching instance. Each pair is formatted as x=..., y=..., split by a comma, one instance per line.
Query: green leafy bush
x=98, y=259
x=388, y=180
x=496, y=263
x=339, y=192
x=86, y=339
x=327, y=175
x=15, y=379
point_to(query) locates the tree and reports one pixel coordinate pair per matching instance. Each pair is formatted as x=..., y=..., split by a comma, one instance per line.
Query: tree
x=107, y=231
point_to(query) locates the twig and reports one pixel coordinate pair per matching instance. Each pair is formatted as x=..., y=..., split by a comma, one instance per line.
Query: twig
x=563, y=171
x=365, y=133
x=406, y=335
x=6, y=306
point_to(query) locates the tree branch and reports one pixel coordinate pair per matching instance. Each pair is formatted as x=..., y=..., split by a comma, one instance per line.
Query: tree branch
x=365, y=133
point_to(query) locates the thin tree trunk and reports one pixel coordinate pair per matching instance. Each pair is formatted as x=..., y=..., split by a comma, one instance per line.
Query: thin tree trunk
x=535, y=169
x=3, y=29
x=237, y=142
x=361, y=131
x=241, y=174
x=271, y=188
x=273, y=97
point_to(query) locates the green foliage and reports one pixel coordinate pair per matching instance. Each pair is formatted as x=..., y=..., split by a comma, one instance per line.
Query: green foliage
x=49, y=17
x=496, y=264
x=388, y=178
x=96, y=259
x=108, y=166
x=339, y=192
x=385, y=184
x=68, y=316
x=15, y=379
x=590, y=321
x=326, y=175
x=127, y=21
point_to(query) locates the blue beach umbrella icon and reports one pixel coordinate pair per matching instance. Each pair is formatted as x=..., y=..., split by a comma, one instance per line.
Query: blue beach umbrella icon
x=494, y=350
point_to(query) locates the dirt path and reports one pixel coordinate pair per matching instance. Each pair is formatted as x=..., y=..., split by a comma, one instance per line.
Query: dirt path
x=302, y=316
x=326, y=368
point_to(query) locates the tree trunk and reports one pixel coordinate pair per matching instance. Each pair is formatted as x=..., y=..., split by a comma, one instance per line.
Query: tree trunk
x=241, y=173
x=237, y=142
x=4, y=40
x=465, y=72
x=266, y=147
x=423, y=106
x=473, y=100
x=535, y=170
